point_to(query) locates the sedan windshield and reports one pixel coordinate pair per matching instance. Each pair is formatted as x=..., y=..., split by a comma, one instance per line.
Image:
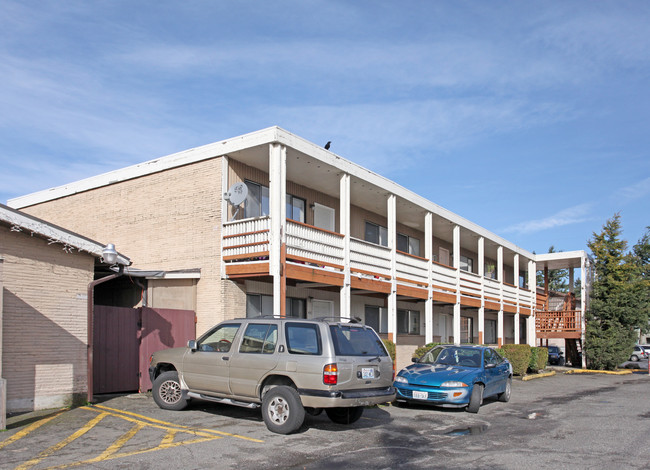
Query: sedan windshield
x=452, y=356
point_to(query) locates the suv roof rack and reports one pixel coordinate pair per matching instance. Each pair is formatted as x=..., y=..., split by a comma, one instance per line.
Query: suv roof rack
x=349, y=320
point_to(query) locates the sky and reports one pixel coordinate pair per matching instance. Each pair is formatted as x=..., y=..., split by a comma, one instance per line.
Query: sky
x=531, y=119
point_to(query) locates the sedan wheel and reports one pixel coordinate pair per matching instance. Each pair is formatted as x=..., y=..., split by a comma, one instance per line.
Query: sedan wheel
x=634, y=358
x=505, y=395
x=476, y=400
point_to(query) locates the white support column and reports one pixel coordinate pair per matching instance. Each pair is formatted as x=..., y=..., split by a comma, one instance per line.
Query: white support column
x=481, y=273
x=392, y=243
x=456, y=236
x=224, y=207
x=278, y=210
x=500, y=338
x=344, y=227
x=532, y=285
x=516, y=283
x=571, y=280
x=428, y=253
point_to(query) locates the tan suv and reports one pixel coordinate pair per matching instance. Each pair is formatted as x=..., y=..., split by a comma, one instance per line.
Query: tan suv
x=288, y=366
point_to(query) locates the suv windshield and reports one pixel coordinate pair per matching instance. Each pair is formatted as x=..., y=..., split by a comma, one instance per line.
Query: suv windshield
x=353, y=340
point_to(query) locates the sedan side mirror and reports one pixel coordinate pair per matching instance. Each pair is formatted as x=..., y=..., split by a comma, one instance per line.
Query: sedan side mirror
x=192, y=344
x=490, y=366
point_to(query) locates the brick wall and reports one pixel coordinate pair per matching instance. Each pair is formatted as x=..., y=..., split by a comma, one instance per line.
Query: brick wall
x=44, y=333
x=167, y=220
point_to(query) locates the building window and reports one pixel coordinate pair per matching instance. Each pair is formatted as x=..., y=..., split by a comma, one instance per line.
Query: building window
x=295, y=208
x=490, y=332
x=408, y=322
x=257, y=203
x=466, y=264
x=408, y=244
x=377, y=318
x=259, y=304
x=466, y=330
x=376, y=234
x=490, y=270
x=522, y=279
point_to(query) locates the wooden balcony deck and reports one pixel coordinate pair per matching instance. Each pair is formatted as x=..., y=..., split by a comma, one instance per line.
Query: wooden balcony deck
x=558, y=324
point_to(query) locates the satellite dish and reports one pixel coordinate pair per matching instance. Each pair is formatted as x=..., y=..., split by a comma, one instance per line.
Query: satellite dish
x=236, y=195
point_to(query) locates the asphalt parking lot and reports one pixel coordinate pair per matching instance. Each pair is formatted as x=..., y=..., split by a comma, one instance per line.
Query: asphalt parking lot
x=562, y=421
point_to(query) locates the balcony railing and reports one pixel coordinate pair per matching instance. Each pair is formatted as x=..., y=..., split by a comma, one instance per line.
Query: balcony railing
x=248, y=241
x=558, y=324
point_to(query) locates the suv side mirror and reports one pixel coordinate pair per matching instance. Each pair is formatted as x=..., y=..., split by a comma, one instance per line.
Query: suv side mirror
x=192, y=344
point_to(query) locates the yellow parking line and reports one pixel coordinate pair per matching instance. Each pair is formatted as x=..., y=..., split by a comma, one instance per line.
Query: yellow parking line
x=28, y=429
x=117, y=445
x=178, y=426
x=49, y=451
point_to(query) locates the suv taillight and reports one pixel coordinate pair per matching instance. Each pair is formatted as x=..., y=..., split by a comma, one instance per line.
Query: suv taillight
x=330, y=374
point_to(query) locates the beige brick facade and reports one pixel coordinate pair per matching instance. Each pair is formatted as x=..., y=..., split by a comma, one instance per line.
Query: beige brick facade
x=167, y=220
x=44, y=333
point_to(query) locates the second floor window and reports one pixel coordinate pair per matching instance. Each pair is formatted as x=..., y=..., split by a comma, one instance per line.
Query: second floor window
x=466, y=264
x=408, y=244
x=376, y=234
x=257, y=203
x=490, y=270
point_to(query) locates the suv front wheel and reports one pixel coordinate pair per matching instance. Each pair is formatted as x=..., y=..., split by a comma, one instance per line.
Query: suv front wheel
x=282, y=410
x=167, y=392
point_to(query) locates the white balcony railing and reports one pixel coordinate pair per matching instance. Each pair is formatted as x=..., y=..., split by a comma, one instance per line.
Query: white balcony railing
x=366, y=256
x=444, y=276
x=412, y=268
x=248, y=236
x=470, y=284
x=312, y=243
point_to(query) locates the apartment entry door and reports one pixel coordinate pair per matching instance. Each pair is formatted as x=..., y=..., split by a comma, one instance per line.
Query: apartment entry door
x=324, y=217
x=322, y=308
x=446, y=328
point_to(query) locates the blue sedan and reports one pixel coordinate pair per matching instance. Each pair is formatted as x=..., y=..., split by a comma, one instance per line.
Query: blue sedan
x=455, y=376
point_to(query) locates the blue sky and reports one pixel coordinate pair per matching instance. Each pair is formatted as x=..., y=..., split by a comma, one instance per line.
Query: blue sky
x=531, y=119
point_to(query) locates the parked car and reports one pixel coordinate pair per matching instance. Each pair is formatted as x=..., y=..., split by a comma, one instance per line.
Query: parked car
x=555, y=356
x=455, y=376
x=638, y=353
x=646, y=347
x=285, y=366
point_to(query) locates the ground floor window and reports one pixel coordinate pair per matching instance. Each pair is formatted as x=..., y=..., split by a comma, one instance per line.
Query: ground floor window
x=377, y=318
x=490, y=332
x=259, y=304
x=408, y=322
x=466, y=330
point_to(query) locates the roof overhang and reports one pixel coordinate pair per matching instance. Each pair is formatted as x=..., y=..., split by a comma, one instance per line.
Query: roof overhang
x=19, y=222
x=562, y=260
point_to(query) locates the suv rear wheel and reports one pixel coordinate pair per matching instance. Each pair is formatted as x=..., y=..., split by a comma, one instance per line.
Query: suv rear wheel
x=167, y=392
x=282, y=410
x=344, y=415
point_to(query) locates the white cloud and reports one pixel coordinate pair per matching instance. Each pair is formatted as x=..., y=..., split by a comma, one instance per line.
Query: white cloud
x=572, y=215
x=635, y=191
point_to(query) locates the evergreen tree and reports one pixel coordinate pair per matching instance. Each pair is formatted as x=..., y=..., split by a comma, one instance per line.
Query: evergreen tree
x=619, y=295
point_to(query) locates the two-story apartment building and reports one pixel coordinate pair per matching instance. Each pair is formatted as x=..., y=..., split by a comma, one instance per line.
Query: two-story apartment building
x=315, y=235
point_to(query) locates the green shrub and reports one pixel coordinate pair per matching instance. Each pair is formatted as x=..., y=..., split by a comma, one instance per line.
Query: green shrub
x=538, y=359
x=421, y=351
x=390, y=347
x=518, y=355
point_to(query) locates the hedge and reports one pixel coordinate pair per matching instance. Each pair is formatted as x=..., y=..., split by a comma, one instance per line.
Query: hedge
x=390, y=347
x=519, y=356
x=538, y=359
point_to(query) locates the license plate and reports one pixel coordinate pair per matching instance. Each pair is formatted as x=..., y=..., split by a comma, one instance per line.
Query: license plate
x=367, y=373
x=420, y=395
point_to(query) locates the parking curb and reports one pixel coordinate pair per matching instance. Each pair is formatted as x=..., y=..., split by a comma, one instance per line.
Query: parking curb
x=538, y=376
x=593, y=371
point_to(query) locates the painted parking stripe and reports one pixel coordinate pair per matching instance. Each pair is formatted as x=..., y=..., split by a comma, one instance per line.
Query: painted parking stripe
x=50, y=450
x=28, y=429
x=172, y=425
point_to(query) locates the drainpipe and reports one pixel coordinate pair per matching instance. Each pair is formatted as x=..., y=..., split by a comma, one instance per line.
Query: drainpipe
x=91, y=304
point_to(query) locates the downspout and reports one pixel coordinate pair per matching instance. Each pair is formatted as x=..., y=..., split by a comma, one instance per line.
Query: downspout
x=91, y=304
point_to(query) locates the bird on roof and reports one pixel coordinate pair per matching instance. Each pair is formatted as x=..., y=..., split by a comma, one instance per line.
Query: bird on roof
x=327, y=145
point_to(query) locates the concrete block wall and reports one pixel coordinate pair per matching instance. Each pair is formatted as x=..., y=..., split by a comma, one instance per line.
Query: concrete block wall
x=44, y=313
x=167, y=220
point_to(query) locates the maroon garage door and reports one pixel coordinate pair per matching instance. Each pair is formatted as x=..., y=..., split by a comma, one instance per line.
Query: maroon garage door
x=124, y=338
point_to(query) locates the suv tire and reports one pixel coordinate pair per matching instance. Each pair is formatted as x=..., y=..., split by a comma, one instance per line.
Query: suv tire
x=282, y=410
x=344, y=415
x=167, y=392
